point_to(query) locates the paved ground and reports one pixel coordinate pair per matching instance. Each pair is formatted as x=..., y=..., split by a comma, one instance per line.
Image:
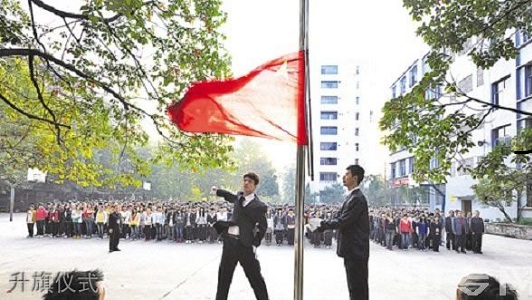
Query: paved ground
x=149, y=270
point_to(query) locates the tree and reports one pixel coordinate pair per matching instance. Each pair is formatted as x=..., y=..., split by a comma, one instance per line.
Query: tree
x=332, y=194
x=501, y=181
x=436, y=118
x=84, y=80
x=310, y=198
x=289, y=185
x=249, y=157
x=376, y=190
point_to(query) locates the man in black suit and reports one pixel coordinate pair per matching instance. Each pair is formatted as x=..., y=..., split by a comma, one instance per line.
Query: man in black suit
x=114, y=229
x=240, y=237
x=352, y=222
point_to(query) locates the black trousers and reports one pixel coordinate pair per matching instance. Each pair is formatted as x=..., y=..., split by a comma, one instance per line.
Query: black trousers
x=114, y=238
x=234, y=252
x=357, y=278
x=477, y=242
x=30, y=229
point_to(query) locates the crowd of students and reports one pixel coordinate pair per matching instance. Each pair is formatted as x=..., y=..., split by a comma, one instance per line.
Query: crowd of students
x=423, y=230
x=181, y=222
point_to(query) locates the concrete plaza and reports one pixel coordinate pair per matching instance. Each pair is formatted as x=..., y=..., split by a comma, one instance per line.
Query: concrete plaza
x=164, y=270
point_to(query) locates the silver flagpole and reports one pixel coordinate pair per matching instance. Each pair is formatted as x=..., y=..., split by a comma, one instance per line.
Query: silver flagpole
x=300, y=168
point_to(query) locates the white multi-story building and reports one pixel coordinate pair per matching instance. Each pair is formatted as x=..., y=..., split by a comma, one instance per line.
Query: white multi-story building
x=341, y=120
x=508, y=83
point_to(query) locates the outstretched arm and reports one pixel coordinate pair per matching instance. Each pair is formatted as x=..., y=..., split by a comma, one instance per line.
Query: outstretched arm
x=228, y=196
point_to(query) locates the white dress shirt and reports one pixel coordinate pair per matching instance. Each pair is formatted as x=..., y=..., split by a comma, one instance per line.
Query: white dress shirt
x=234, y=230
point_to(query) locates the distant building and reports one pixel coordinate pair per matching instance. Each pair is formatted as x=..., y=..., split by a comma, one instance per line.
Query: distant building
x=508, y=83
x=342, y=120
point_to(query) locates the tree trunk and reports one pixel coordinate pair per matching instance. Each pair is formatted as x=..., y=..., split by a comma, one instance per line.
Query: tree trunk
x=11, y=203
x=508, y=218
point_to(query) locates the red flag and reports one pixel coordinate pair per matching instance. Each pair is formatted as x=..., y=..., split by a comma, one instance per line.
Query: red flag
x=267, y=102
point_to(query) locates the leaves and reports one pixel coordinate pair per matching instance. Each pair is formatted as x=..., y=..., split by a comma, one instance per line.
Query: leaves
x=99, y=80
x=435, y=120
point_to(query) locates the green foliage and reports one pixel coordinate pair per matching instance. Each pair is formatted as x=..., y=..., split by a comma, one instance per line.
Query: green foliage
x=525, y=221
x=332, y=194
x=431, y=127
x=100, y=79
x=377, y=190
x=503, y=176
x=289, y=185
x=182, y=184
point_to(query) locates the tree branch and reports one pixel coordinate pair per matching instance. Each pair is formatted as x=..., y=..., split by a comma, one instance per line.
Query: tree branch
x=41, y=99
x=69, y=15
x=26, y=52
x=28, y=115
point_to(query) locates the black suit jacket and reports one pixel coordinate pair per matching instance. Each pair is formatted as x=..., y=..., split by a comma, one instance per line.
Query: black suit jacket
x=114, y=221
x=247, y=218
x=352, y=222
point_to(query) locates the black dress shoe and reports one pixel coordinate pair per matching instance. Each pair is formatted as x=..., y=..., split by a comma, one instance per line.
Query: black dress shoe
x=117, y=249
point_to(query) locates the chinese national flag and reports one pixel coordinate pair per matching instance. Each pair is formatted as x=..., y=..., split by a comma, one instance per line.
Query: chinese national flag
x=267, y=102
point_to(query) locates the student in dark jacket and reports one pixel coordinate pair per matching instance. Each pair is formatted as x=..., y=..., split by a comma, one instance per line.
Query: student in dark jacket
x=114, y=229
x=477, y=229
x=240, y=237
x=435, y=232
x=352, y=222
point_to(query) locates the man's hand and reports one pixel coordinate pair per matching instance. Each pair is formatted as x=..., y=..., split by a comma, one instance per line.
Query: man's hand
x=321, y=228
x=110, y=231
x=213, y=190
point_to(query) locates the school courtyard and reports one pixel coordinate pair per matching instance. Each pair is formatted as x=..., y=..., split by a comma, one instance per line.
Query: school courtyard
x=164, y=270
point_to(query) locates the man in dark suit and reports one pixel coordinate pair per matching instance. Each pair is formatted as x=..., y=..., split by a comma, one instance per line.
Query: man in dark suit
x=114, y=229
x=352, y=222
x=240, y=237
x=477, y=228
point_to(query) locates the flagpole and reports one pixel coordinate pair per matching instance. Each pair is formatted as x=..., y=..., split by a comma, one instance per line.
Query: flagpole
x=300, y=167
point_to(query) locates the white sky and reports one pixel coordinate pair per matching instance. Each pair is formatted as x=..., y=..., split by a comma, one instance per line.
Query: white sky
x=380, y=34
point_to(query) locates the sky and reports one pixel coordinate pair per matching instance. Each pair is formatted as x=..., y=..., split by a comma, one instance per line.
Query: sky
x=379, y=34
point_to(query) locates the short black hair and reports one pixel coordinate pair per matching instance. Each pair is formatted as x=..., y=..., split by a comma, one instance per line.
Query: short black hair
x=252, y=176
x=75, y=285
x=357, y=171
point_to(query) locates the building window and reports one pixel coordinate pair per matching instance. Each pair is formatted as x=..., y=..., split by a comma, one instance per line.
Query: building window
x=394, y=92
x=466, y=85
x=497, y=90
x=434, y=163
x=392, y=165
x=329, y=130
x=357, y=131
x=328, y=176
x=328, y=146
x=357, y=70
x=329, y=99
x=329, y=69
x=357, y=116
x=328, y=161
x=410, y=165
x=413, y=76
x=528, y=80
x=329, y=115
x=403, y=85
x=480, y=76
x=329, y=84
x=356, y=161
x=356, y=147
x=402, y=167
x=433, y=93
x=357, y=100
x=501, y=135
x=358, y=85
